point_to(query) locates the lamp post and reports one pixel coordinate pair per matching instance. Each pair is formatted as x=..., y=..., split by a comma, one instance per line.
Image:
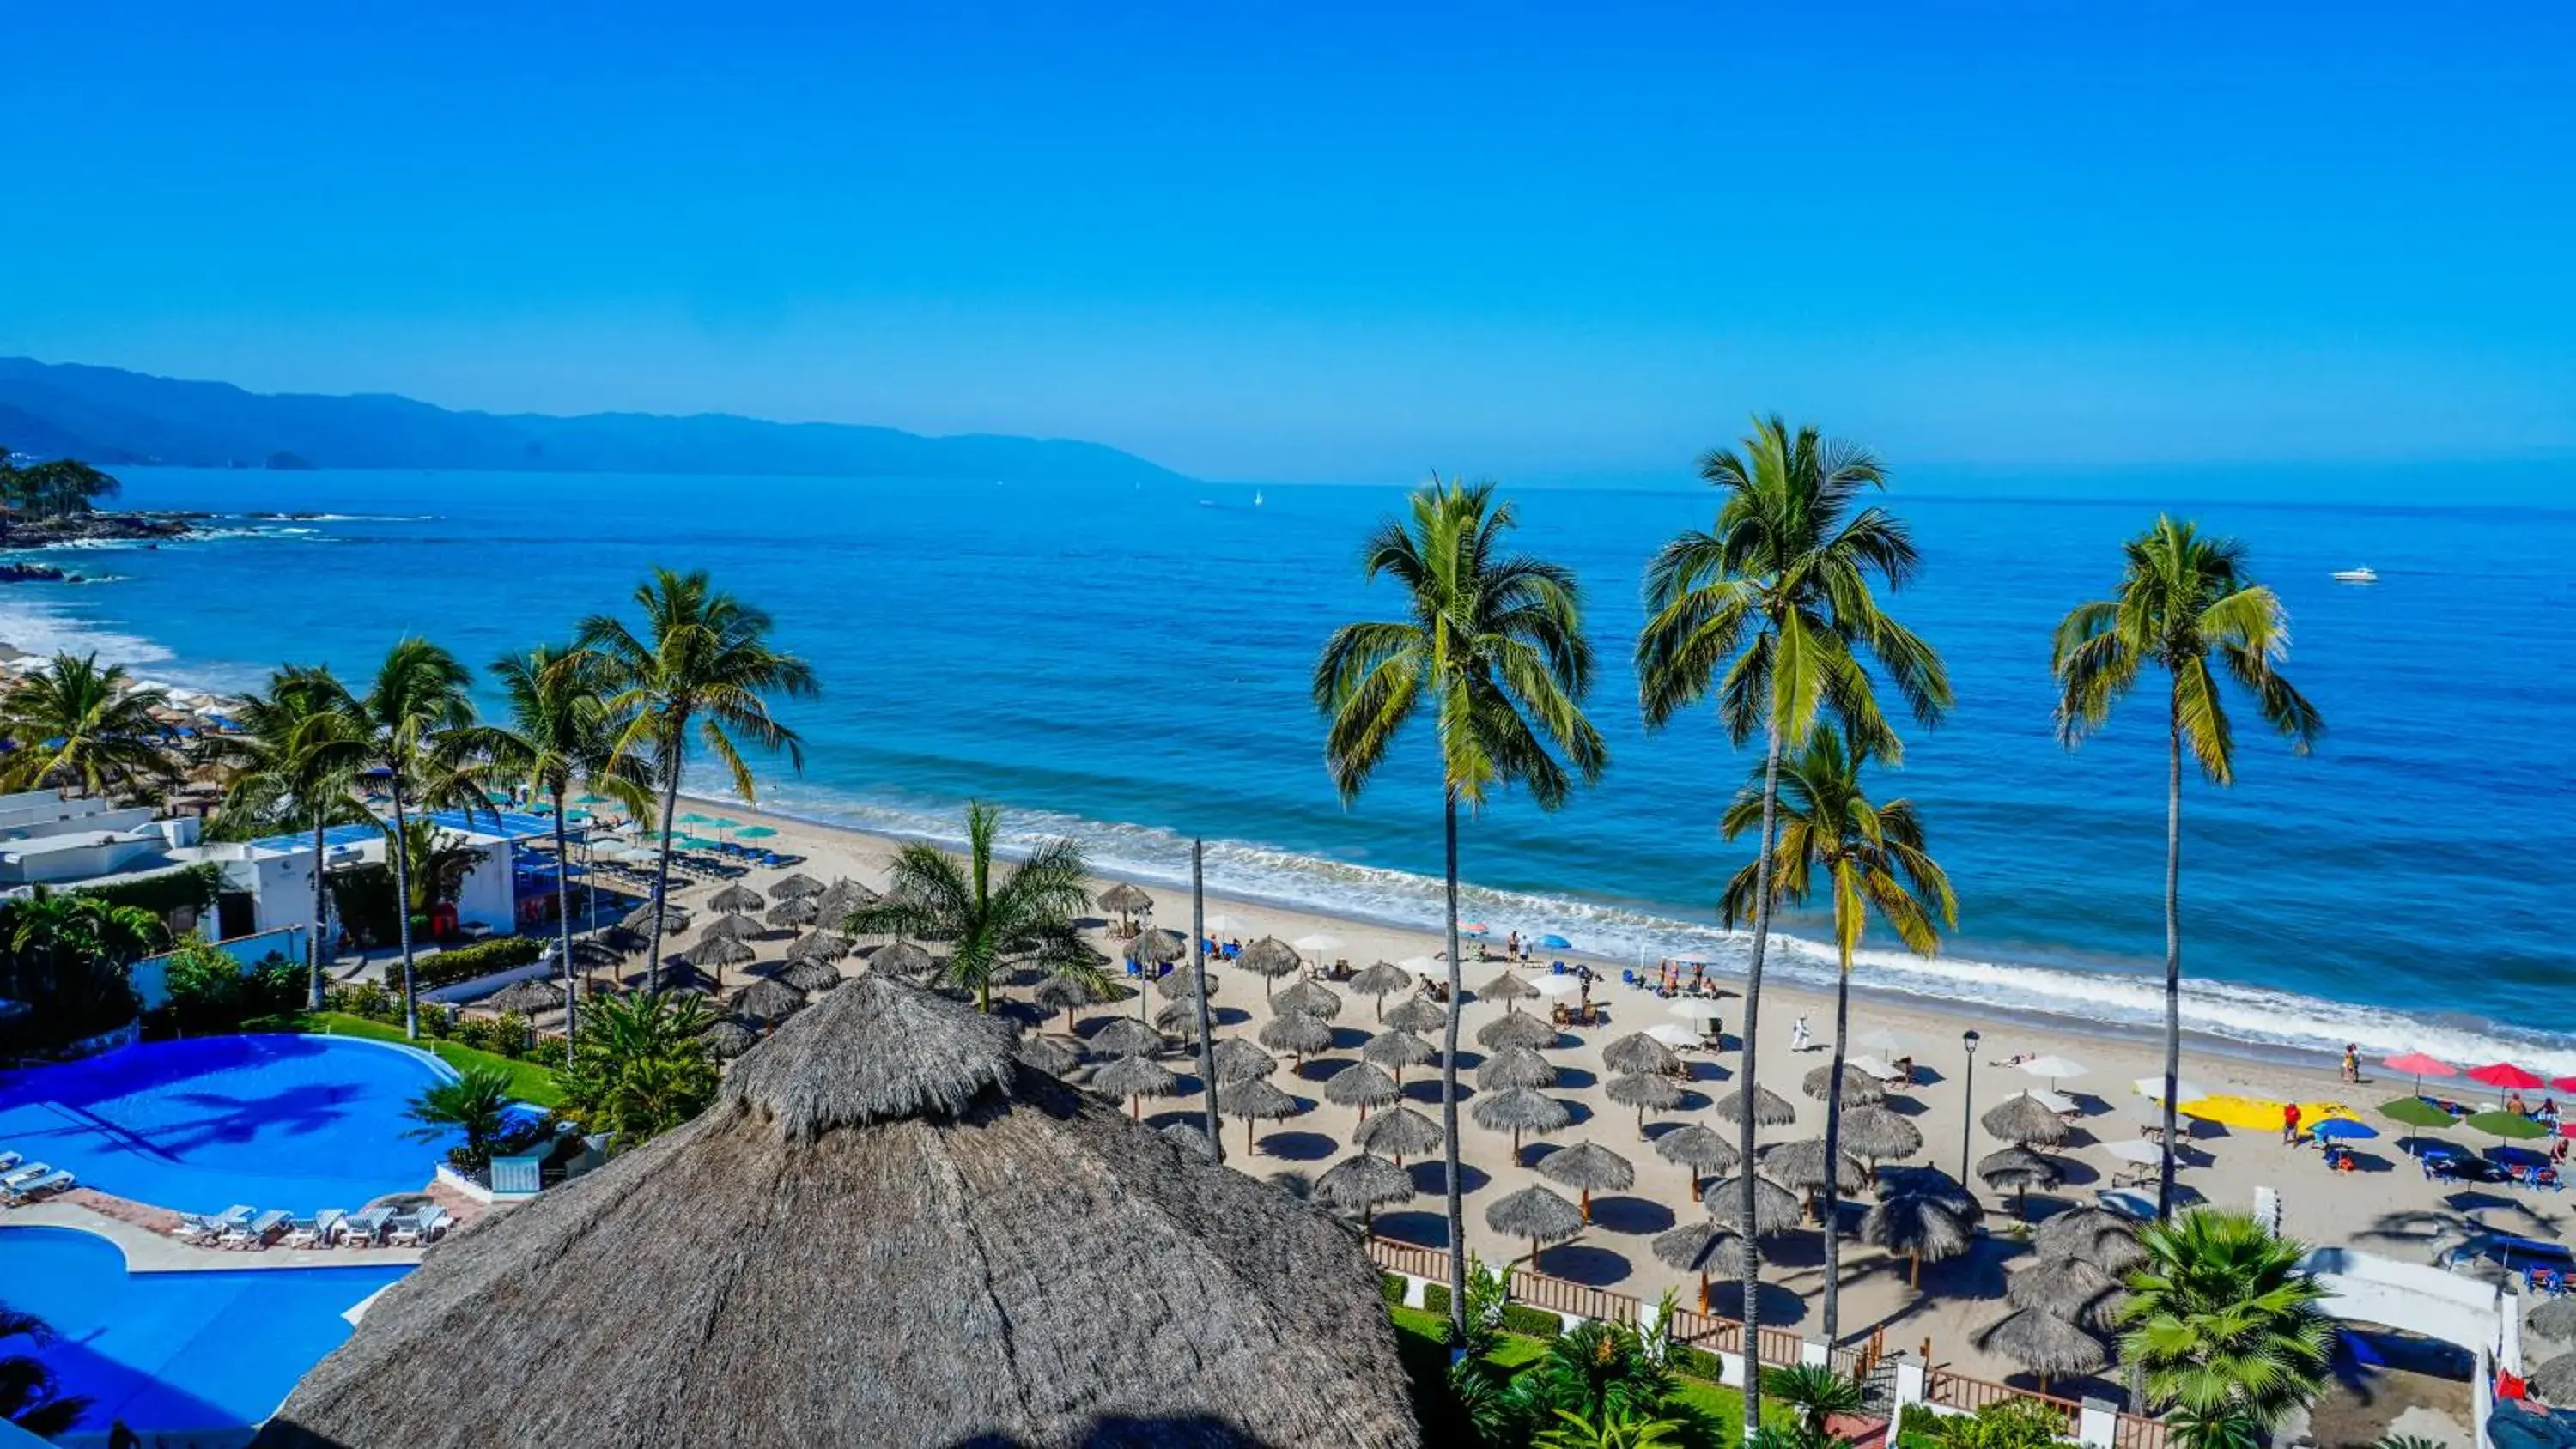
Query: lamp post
x=1968, y=1039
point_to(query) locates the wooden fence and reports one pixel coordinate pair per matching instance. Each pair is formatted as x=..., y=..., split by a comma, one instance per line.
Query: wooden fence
x=1955, y=1390
x=1559, y=1295
x=1419, y=1262
x=2133, y=1432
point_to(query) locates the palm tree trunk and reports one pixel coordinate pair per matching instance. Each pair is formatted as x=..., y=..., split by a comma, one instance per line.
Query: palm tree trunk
x=2173, y=956
x=1198, y=968
x=1752, y=1044
x=662, y=868
x=1449, y=1093
x=563, y=908
x=1833, y=1148
x=321, y=899
x=402, y=912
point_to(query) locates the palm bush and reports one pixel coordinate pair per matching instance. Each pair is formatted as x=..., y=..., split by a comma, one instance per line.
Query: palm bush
x=990, y=920
x=82, y=727
x=641, y=1067
x=69, y=956
x=475, y=1105
x=2223, y=1323
x=289, y=768
x=1815, y=1393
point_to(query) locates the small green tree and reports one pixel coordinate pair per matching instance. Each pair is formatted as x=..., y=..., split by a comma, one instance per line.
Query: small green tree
x=1815, y=1393
x=641, y=1067
x=475, y=1105
x=990, y=919
x=1608, y=1431
x=2222, y=1322
x=2014, y=1423
x=83, y=727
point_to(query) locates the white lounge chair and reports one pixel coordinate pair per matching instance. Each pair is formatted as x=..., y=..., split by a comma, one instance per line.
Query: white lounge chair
x=11, y=1180
x=42, y=1187
x=9, y=1161
x=364, y=1229
x=316, y=1231
x=195, y=1229
x=260, y=1229
x=422, y=1227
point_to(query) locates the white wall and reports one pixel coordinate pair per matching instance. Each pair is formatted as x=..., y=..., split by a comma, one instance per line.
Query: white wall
x=487, y=896
x=2371, y=1289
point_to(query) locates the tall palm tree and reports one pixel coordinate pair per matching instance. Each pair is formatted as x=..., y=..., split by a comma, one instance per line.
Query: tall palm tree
x=1870, y=857
x=1770, y=610
x=2223, y=1322
x=283, y=767
x=2189, y=605
x=989, y=924
x=1493, y=642
x=82, y=727
x=410, y=730
x=560, y=737
x=70, y=954
x=704, y=666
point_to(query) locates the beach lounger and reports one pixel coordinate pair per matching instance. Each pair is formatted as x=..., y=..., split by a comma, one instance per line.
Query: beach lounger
x=11, y=1180
x=258, y=1230
x=424, y=1227
x=206, y=1229
x=43, y=1187
x=315, y=1231
x=9, y=1161
x=362, y=1230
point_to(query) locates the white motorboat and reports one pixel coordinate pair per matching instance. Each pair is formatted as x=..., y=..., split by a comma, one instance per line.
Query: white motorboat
x=2356, y=576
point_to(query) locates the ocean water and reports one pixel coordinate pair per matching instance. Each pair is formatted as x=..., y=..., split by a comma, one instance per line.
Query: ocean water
x=1130, y=664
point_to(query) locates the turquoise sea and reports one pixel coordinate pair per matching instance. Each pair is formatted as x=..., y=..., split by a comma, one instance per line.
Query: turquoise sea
x=1129, y=663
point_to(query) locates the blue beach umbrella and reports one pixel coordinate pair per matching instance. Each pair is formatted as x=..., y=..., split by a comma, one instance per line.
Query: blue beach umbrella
x=2336, y=1128
x=1554, y=943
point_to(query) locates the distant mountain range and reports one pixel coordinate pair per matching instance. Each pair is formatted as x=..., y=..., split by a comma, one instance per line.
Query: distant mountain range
x=108, y=416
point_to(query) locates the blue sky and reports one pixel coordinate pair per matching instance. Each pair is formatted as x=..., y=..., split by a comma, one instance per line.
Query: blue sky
x=1328, y=242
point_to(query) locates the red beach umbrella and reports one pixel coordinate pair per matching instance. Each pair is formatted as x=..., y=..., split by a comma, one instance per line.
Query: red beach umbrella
x=2416, y=1064
x=2563, y=1084
x=2505, y=1076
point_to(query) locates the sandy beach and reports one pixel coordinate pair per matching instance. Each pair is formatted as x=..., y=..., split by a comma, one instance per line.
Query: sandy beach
x=2386, y=1207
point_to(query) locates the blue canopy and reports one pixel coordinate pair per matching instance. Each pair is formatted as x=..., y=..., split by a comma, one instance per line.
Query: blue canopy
x=2333, y=1128
x=1554, y=943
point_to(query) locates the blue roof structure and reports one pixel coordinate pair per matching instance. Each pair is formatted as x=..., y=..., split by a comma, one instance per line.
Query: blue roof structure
x=510, y=824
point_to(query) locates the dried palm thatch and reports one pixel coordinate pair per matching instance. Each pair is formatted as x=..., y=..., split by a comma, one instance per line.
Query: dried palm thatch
x=1155, y=946
x=674, y=920
x=730, y=928
x=1238, y=1060
x=1536, y=1214
x=1361, y=1085
x=2019, y=1169
x=1590, y=1167
x=794, y=886
x=1770, y=1109
x=902, y=958
x=2553, y=1319
x=2555, y=1381
x=1063, y=993
x=2104, y=1239
x=1703, y=1248
x=1517, y=1110
x=2024, y=1119
x=1183, y=985
x=1191, y=1140
x=2045, y=1344
x=792, y=914
x=1415, y=1013
x=1125, y=1036
x=1362, y=1184
x=1922, y=1226
x=1639, y=1053
x=1255, y=1101
x=1775, y=1208
x=1270, y=957
x=737, y=899
x=1180, y=1019
x=1053, y=1055
x=883, y=1184
x=1516, y=1029
x=1136, y=1078
x=729, y=1038
x=2068, y=1287
x=1515, y=1067
x=1395, y=1049
x=1125, y=899
x=810, y=975
x=1929, y=1182
x=1381, y=980
x=842, y=897
x=588, y=954
x=1879, y=1134
x=1645, y=1091
x=722, y=951
x=1860, y=1089
x=819, y=946
x=1699, y=1149
x=1506, y=988
x=768, y=1000
x=526, y=998
x=1399, y=1134
x=1306, y=998
x=1296, y=1033
x=1801, y=1165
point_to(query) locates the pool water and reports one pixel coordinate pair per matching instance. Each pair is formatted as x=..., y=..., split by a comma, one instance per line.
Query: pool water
x=171, y=1352
x=295, y=1122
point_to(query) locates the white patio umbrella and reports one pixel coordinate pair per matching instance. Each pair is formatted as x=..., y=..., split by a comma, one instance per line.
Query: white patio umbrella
x=1869, y=1066
x=1318, y=943
x=1219, y=925
x=2056, y=1102
x=2137, y=1150
x=1423, y=966
x=2054, y=1068
x=1672, y=1033
x=1555, y=986
x=1690, y=1010
x=2185, y=1089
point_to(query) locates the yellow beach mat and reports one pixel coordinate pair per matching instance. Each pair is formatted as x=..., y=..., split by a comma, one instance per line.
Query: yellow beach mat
x=2259, y=1113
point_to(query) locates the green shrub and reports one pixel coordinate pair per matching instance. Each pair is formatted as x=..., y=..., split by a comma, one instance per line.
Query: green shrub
x=465, y=963
x=510, y=1035
x=1435, y=1300
x=1697, y=1363
x=1390, y=1286
x=550, y=1051
x=369, y=999
x=1521, y=1318
x=210, y=991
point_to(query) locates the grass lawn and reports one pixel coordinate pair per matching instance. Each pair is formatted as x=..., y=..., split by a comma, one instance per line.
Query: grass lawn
x=1421, y=1340
x=528, y=1081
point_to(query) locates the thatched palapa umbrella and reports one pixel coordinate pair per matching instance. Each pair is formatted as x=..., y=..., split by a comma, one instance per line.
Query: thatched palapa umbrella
x=1238, y=1060
x=1801, y=1165
x=1399, y=1134
x=1183, y=985
x=1507, y=988
x=903, y=958
x=795, y=886
x=2068, y=1287
x=1063, y=993
x=527, y=998
x=1770, y=1109
x=1155, y=947
x=1296, y=1033
x=674, y=920
x=792, y=914
x=1703, y=1248
x=1590, y=1167
x=1416, y=1013
x=1878, y=1134
x=1308, y=998
x=2045, y=1344
x=1052, y=1055
x=1516, y=1029
x=737, y=899
x=1255, y=1101
x=1363, y=1086
x=1269, y=958
x=2024, y=1119
x=768, y=1000
x=1638, y=1053
x=720, y=952
x=819, y=946
x=1775, y=1208
x=1860, y=1089
x=1517, y=1110
x=2018, y=1170
x=1179, y=1019
x=1127, y=901
x=1699, y=1149
x=1362, y=1184
x=1395, y=1049
x=1125, y=1036
x=730, y=928
x=810, y=975
x=884, y=1186
x=2104, y=1239
x=1515, y=1067
x=1920, y=1224
x=1645, y=1091
x=1536, y=1214
x=729, y=1038
x=1380, y=981
x=2553, y=1319
x=1136, y=1078
x=2555, y=1381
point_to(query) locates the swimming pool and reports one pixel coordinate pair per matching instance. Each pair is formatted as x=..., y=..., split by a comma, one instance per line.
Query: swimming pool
x=295, y=1122
x=168, y=1352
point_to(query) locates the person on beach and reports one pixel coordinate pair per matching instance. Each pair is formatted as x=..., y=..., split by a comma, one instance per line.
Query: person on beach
x=2290, y=1123
x=1799, y=1040
x=2351, y=1062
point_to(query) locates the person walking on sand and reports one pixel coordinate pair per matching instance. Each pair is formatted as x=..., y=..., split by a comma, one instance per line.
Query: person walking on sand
x=2351, y=1062
x=2290, y=1123
x=1799, y=1040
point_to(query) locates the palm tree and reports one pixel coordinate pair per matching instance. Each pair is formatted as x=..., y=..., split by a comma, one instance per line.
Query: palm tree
x=1816, y=1393
x=989, y=925
x=2189, y=605
x=1871, y=858
x=283, y=769
x=31, y=1397
x=1608, y=1431
x=2222, y=1322
x=703, y=663
x=410, y=729
x=69, y=954
x=475, y=1105
x=560, y=737
x=82, y=727
x=1494, y=642
x=1770, y=611
x=642, y=1067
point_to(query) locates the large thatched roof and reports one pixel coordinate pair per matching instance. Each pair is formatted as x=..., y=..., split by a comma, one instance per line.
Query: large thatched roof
x=885, y=1232
x=1396, y=1049
x=527, y=998
x=1515, y=1067
x=1416, y=1013
x=1516, y=1029
x=1401, y=1132
x=2046, y=1344
x=1360, y=1085
x=1770, y=1109
x=1698, y=1148
x=1638, y=1052
x=2024, y=1119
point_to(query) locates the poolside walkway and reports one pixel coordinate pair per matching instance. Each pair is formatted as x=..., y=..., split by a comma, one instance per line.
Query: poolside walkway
x=142, y=1233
